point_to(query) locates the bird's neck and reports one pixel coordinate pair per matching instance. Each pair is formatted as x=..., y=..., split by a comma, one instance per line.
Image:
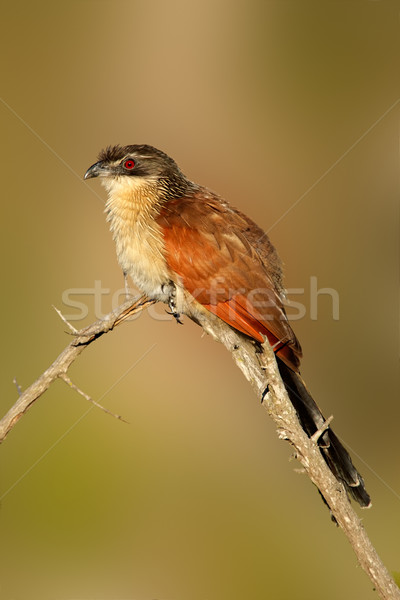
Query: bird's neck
x=131, y=201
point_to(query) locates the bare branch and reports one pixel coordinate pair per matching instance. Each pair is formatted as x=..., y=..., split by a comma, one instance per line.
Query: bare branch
x=262, y=377
x=60, y=366
x=281, y=410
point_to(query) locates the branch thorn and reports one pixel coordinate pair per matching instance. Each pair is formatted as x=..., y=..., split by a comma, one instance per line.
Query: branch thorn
x=19, y=389
x=72, y=328
x=325, y=425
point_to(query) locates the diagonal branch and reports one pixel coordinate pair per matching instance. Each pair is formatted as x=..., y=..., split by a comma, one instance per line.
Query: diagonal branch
x=82, y=339
x=267, y=383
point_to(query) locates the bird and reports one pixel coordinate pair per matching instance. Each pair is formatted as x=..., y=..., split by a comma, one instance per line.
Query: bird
x=184, y=245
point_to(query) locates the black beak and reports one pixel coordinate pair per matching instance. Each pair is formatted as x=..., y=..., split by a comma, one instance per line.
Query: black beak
x=99, y=169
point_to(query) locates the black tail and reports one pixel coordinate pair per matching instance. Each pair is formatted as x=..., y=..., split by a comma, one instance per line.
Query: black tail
x=334, y=453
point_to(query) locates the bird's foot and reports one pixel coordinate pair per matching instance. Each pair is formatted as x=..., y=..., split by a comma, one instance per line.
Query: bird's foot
x=171, y=291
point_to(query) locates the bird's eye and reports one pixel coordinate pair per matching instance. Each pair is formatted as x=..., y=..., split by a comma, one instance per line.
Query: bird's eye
x=129, y=164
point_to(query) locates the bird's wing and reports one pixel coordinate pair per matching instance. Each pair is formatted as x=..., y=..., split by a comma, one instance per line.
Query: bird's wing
x=212, y=248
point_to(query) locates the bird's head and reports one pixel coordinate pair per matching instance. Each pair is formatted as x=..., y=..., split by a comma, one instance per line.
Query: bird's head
x=136, y=167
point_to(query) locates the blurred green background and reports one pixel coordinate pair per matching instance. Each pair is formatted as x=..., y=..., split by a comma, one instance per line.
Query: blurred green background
x=267, y=103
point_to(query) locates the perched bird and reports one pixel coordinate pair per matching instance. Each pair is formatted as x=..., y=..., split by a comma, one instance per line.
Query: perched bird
x=184, y=245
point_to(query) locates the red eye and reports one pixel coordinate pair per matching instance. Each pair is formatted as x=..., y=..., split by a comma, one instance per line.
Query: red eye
x=129, y=164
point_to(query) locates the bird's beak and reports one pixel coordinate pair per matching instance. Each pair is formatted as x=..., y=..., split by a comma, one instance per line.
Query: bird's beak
x=99, y=169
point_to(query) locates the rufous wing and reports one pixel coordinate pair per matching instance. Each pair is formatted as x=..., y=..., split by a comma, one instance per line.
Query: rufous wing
x=209, y=247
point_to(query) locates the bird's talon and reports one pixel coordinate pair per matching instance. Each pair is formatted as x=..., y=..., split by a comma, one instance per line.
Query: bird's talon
x=265, y=392
x=175, y=315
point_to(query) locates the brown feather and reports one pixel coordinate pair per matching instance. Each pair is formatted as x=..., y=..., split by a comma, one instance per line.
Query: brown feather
x=228, y=265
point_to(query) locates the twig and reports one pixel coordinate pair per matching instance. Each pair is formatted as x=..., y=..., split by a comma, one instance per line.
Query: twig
x=82, y=339
x=325, y=425
x=19, y=389
x=72, y=385
x=71, y=327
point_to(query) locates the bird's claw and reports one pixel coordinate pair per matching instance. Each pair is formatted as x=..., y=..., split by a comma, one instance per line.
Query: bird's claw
x=265, y=392
x=176, y=316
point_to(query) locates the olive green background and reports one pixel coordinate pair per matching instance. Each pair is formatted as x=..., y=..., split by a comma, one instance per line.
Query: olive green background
x=286, y=108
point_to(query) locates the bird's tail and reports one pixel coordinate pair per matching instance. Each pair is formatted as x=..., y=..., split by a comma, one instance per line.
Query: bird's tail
x=311, y=419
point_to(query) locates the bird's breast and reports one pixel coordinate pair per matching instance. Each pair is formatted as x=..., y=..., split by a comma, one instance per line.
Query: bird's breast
x=139, y=245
